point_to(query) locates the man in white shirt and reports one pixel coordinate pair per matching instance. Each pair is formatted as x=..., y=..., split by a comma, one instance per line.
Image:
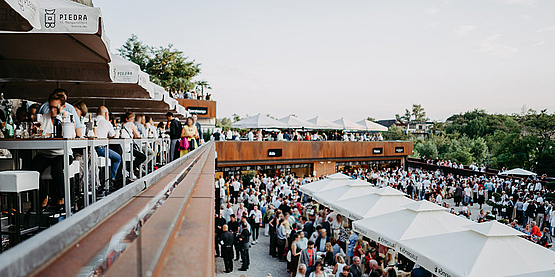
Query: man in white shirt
x=104, y=129
x=250, y=136
x=52, y=158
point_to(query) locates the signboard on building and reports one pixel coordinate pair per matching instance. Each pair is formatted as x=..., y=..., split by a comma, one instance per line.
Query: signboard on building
x=399, y=149
x=275, y=152
x=197, y=110
x=377, y=150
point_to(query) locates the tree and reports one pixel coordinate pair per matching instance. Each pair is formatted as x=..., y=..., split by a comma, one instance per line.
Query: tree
x=418, y=112
x=167, y=66
x=395, y=133
x=427, y=149
x=135, y=51
x=236, y=117
x=202, y=85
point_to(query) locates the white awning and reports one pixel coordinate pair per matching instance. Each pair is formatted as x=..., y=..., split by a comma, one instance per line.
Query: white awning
x=418, y=219
x=294, y=122
x=485, y=249
x=258, y=122
x=372, y=126
x=349, y=125
x=28, y=9
x=352, y=189
x=70, y=45
x=324, y=124
x=518, y=171
x=371, y=205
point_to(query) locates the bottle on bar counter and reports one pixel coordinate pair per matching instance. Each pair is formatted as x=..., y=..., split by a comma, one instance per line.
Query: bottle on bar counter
x=9, y=129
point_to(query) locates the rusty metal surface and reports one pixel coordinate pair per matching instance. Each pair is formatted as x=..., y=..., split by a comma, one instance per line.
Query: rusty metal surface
x=187, y=213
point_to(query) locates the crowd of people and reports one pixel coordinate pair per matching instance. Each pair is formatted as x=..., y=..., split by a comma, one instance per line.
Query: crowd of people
x=195, y=95
x=48, y=118
x=294, y=135
x=312, y=239
x=448, y=163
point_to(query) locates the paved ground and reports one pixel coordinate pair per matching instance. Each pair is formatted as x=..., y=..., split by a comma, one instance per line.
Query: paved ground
x=262, y=264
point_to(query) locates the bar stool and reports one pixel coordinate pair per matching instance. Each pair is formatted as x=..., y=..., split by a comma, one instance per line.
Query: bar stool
x=12, y=184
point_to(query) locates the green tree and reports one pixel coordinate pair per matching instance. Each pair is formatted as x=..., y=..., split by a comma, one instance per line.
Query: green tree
x=202, y=85
x=135, y=51
x=395, y=133
x=427, y=149
x=167, y=66
x=418, y=112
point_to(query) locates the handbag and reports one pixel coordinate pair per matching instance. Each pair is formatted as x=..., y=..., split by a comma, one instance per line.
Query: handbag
x=289, y=256
x=184, y=144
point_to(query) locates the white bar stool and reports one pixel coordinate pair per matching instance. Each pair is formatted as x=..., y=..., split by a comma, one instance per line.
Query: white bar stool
x=12, y=184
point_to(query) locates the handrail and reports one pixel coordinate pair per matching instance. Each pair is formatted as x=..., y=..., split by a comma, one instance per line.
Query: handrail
x=31, y=254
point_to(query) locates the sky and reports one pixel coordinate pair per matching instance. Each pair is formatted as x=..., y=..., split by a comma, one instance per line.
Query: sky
x=355, y=59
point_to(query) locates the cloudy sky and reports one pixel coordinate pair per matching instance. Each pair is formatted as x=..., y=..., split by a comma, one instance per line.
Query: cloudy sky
x=356, y=58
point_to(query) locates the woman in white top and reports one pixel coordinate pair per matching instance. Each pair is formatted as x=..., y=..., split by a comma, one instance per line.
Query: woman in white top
x=340, y=263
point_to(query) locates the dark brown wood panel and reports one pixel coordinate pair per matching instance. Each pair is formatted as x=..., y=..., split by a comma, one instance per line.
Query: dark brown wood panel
x=257, y=151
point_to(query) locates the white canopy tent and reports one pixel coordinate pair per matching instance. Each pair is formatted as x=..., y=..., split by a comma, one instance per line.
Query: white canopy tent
x=518, y=171
x=70, y=38
x=323, y=124
x=330, y=182
x=385, y=200
x=28, y=10
x=349, y=125
x=486, y=249
x=352, y=189
x=372, y=126
x=418, y=219
x=294, y=122
x=258, y=121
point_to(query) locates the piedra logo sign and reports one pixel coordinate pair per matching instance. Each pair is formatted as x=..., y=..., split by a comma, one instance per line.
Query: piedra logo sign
x=72, y=19
x=440, y=272
x=50, y=18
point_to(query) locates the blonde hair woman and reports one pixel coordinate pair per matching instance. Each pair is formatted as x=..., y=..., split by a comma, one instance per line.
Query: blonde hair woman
x=339, y=264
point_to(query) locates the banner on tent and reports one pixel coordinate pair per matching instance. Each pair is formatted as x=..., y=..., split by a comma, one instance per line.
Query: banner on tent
x=407, y=253
x=62, y=19
x=386, y=242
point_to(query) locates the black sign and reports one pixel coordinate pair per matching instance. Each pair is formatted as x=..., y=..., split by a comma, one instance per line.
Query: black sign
x=197, y=110
x=400, y=149
x=274, y=152
x=377, y=150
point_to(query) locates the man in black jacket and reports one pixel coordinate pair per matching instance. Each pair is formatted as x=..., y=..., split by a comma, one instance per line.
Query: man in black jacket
x=219, y=222
x=175, y=135
x=234, y=228
x=227, y=240
x=355, y=267
x=245, y=245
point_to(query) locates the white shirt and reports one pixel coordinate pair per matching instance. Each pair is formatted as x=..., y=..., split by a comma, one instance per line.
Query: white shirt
x=236, y=186
x=48, y=128
x=257, y=216
x=251, y=136
x=104, y=128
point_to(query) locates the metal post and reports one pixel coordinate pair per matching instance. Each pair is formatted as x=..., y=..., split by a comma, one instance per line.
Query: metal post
x=67, y=194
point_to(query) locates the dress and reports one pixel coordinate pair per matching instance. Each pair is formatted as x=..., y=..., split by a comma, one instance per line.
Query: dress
x=189, y=133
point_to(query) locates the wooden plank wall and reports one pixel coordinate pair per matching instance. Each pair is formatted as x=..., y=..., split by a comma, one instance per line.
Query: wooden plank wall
x=238, y=152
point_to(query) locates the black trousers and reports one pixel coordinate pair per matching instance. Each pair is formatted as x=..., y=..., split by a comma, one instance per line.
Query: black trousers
x=237, y=246
x=255, y=230
x=227, y=253
x=273, y=244
x=56, y=188
x=245, y=259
